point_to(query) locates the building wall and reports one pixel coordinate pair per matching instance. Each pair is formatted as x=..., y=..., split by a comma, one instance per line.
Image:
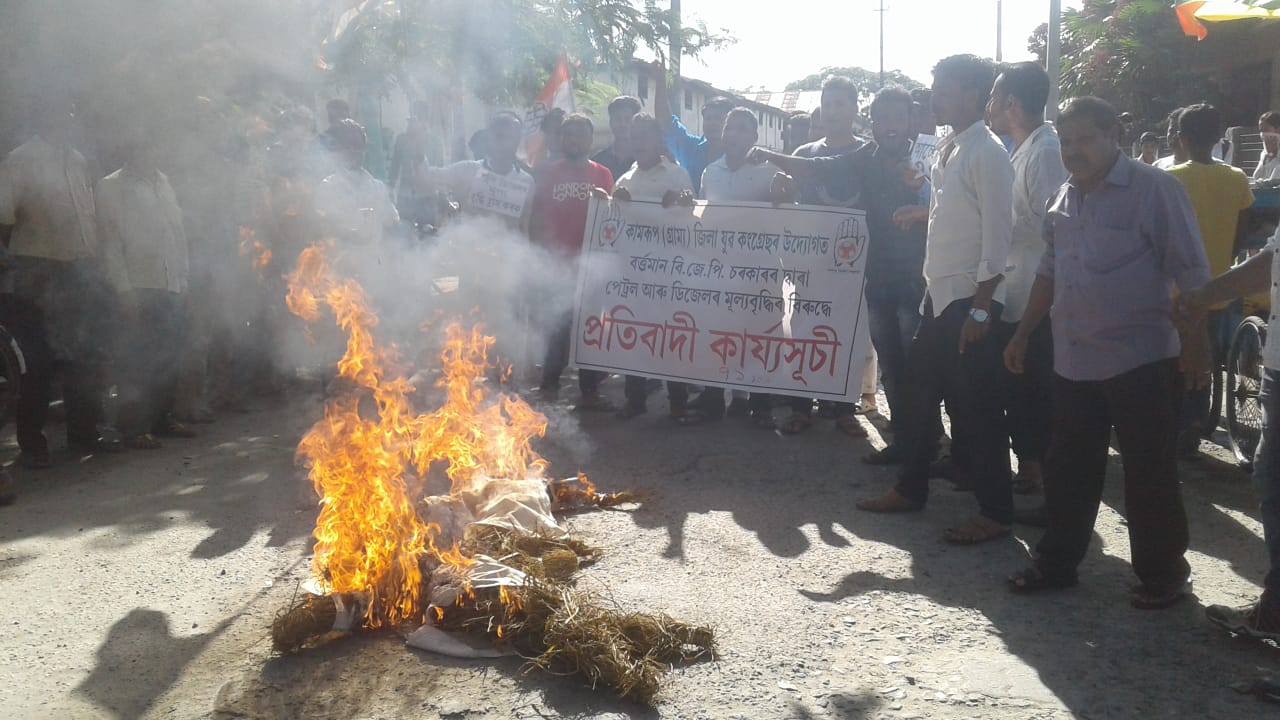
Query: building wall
x=691, y=98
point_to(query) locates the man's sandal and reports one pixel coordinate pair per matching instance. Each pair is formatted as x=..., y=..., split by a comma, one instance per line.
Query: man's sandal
x=694, y=416
x=890, y=502
x=1032, y=580
x=849, y=425
x=978, y=530
x=1144, y=598
x=763, y=420
x=145, y=441
x=795, y=423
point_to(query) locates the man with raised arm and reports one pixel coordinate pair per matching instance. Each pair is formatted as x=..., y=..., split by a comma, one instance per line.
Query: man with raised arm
x=693, y=152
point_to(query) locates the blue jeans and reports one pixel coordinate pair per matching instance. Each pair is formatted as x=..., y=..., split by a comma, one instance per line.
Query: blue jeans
x=1266, y=474
x=894, y=314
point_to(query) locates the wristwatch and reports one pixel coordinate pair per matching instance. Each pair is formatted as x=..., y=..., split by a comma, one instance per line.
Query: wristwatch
x=979, y=315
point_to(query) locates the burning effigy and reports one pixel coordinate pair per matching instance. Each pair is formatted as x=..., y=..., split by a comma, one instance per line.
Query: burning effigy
x=481, y=570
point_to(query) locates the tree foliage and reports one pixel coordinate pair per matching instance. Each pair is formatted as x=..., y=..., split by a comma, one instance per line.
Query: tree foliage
x=1132, y=53
x=868, y=81
x=502, y=50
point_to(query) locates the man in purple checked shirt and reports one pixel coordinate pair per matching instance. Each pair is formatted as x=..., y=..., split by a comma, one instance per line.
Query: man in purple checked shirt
x=1119, y=236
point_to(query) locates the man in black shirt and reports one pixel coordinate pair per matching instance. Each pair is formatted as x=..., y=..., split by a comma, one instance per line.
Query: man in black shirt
x=619, y=156
x=895, y=257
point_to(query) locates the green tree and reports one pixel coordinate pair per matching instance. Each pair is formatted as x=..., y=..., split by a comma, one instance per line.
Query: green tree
x=502, y=50
x=868, y=81
x=1132, y=53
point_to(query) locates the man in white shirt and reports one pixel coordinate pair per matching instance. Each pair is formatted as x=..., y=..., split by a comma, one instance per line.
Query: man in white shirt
x=145, y=251
x=1017, y=109
x=732, y=178
x=53, y=284
x=654, y=178
x=495, y=185
x=1269, y=161
x=358, y=204
x=956, y=354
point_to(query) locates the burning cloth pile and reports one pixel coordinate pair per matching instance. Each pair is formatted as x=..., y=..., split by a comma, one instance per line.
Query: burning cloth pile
x=485, y=569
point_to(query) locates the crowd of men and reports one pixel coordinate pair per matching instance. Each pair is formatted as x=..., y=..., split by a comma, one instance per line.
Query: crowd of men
x=1017, y=216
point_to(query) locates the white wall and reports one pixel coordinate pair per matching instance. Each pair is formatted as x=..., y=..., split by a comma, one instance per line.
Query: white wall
x=691, y=114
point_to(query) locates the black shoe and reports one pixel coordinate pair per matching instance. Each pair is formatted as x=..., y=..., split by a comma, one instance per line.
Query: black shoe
x=8, y=491
x=943, y=469
x=738, y=407
x=888, y=455
x=100, y=444
x=1189, y=444
x=35, y=460
x=1033, y=516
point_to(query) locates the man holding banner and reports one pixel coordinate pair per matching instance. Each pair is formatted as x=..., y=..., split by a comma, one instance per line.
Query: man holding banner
x=558, y=222
x=496, y=185
x=654, y=178
x=733, y=178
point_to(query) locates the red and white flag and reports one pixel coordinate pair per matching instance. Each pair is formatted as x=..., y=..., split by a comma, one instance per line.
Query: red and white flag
x=557, y=93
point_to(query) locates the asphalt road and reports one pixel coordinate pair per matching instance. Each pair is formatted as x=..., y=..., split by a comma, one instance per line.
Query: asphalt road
x=144, y=584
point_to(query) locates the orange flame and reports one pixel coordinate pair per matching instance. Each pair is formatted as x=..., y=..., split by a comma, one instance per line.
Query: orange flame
x=251, y=246
x=369, y=537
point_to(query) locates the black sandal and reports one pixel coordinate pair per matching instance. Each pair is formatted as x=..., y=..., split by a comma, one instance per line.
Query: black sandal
x=694, y=417
x=631, y=411
x=1144, y=598
x=1032, y=580
x=796, y=423
x=763, y=420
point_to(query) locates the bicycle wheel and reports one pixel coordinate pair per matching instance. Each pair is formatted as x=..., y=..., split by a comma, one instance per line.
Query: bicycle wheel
x=1244, y=380
x=12, y=367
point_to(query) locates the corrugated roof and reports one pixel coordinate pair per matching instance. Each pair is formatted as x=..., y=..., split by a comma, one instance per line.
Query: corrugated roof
x=789, y=100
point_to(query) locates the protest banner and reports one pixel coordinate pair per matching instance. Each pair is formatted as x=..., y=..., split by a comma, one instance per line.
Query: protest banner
x=923, y=151
x=738, y=295
x=498, y=194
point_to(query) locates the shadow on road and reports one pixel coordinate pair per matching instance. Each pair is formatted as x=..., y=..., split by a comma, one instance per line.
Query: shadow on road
x=139, y=660
x=1093, y=652
x=233, y=479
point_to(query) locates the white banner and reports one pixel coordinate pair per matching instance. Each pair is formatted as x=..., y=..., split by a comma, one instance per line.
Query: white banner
x=923, y=152
x=739, y=295
x=506, y=196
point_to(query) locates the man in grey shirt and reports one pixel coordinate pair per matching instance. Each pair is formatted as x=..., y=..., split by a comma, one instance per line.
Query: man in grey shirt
x=1119, y=236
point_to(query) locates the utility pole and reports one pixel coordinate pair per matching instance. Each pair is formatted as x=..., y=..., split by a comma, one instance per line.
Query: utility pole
x=1053, y=59
x=674, y=44
x=999, y=30
x=881, y=11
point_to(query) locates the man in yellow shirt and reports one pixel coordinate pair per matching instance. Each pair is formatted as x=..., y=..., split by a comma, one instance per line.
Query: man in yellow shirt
x=1219, y=195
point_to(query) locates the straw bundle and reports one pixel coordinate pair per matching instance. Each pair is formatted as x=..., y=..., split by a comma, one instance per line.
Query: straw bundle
x=566, y=631
x=308, y=620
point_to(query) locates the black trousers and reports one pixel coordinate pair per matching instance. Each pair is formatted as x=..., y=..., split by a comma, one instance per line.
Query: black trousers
x=971, y=383
x=1030, y=395
x=557, y=359
x=55, y=312
x=148, y=361
x=636, y=390
x=1141, y=405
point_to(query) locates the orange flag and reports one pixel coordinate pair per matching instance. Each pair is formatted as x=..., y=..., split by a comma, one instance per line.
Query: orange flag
x=557, y=93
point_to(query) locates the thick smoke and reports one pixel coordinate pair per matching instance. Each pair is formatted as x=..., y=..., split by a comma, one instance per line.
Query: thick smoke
x=223, y=95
